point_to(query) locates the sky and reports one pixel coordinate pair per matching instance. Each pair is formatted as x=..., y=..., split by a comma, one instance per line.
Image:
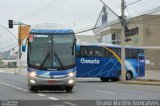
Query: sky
x=76, y=14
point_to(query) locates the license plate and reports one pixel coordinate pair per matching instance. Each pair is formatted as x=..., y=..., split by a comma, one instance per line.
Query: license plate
x=51, y=82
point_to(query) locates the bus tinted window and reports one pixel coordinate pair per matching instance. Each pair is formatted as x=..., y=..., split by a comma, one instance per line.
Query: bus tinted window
x=111, y=54
x=86, y=51
x=140, y=51
x=107, y=53
x=117, y=51
x=98, y=52
x=132, y=53
x=83, y=51
x=90, y=51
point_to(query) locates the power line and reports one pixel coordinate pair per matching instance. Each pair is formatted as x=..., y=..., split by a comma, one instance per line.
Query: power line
x=130, y=16
x=44, y=8
x=156, y=16
x=39, y=9
x=9, y=32
x=144, y=19
x=12, y=35
x=120, y=22
x=148, y=18
x=86, y=30
x=110, y=9
x=80, y=21
x=12, y=48
x=156, y=9
x=133, y=2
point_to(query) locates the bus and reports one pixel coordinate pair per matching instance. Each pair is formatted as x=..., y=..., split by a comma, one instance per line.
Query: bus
x=50, y=59
x=104, y=61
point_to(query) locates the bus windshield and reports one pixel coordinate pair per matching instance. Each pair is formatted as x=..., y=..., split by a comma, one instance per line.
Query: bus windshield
x=51, y=51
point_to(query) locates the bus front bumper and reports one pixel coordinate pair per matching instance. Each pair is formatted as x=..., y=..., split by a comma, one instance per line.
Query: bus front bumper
x=35, y=81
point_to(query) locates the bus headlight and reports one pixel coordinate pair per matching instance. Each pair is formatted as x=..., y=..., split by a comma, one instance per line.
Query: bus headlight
x=71, y=74
x=33, y=74
x=71, y=81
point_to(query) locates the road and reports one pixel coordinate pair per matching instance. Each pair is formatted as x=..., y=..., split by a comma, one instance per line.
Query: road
x=14, y=87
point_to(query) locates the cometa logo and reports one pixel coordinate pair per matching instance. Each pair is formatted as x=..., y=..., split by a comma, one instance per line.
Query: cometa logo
x=95, y=61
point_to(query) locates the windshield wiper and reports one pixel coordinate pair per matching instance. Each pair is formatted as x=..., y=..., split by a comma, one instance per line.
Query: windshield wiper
x=59, y=60
x=44, y=61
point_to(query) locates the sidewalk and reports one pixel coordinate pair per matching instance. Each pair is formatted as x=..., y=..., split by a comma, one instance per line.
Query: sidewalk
x=142, y=82
x=20, y=71
x=152, y=77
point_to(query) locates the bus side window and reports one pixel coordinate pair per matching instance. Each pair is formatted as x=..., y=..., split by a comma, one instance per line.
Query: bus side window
x=90, y=52
x=140, y=51
x=83, y=51
x=118, y=51
x=78, y=53
x=98, y=52
x=127, y=53
x=132, y=53
x=107, y=53
x=110, y=53
x=86, y=51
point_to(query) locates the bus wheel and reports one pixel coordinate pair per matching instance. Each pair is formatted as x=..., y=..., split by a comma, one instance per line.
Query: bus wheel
x=129, y=75
x=33, y=88
x=104, y=79
x=119, y=76
x=68, y=88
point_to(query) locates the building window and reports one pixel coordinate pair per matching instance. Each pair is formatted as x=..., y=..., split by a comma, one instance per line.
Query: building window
x=116, y=38
x=111, y=38
x=106, y=39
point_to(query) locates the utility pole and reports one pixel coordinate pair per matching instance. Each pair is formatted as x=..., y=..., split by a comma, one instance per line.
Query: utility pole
x=19, y=41
x=20, y=24
x=123, y=22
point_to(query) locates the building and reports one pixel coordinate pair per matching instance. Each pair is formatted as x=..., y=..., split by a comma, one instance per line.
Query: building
x=86, y=38
x=143, y=31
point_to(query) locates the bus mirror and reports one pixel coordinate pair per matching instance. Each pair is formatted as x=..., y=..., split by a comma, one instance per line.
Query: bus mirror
x=73, y=46
x=78, y=46
x=24, y=45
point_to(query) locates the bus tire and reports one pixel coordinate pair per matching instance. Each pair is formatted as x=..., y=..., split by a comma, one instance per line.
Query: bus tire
x=32, y=88
x=129, y=75
x=119, y=76
x=104, y=79
x=68, y=88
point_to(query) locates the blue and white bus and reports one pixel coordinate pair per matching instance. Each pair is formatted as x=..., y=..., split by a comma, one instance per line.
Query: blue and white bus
x=103, y=61
x=51, y=59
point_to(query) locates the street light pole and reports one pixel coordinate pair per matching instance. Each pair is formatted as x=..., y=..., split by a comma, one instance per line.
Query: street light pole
x=123, y=70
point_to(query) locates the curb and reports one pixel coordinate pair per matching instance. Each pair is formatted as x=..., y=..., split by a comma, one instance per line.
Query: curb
x=142, y=82
x=13, y=71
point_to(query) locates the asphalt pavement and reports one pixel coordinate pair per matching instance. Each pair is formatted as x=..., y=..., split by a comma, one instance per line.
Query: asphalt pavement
x=152, y=77
x=14, y=86
x=85, y=93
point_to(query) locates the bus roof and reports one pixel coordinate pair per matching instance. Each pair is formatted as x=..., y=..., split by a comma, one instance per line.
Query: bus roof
x=108, y=45
x=49, y=31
